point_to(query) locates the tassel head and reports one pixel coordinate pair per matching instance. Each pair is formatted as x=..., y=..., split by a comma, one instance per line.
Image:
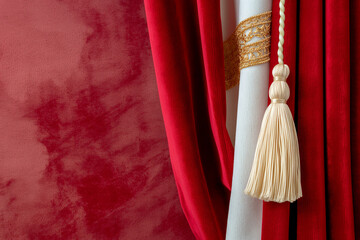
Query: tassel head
x=275, y=174
x=279, y=89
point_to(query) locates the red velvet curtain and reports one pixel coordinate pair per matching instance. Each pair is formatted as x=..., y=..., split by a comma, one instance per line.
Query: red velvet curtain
x=321, y=48
x=322, y=51
x=186, y=42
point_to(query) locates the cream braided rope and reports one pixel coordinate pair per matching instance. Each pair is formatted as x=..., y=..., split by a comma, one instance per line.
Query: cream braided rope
x=281, y=32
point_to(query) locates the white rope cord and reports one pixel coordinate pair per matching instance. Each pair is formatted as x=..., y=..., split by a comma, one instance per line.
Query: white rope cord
x=281, y=32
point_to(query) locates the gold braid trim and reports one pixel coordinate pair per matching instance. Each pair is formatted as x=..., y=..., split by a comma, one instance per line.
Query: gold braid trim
x=247, y=46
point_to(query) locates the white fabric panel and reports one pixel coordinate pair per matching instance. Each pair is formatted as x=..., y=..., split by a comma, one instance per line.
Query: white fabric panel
x=245, y=213
x=229, y=23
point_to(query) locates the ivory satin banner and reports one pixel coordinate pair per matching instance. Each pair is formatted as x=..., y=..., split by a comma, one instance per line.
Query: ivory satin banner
x=245, y=213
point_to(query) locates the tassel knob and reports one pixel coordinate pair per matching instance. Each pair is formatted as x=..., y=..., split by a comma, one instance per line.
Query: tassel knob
x=279, y=89
x=275, y=174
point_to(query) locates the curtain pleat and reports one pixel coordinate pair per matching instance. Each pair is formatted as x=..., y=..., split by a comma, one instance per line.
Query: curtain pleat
x=337, y=97
x=327, y=115
x=355, y=109
x=311, y=208
x=187, y=50
x=210, y=27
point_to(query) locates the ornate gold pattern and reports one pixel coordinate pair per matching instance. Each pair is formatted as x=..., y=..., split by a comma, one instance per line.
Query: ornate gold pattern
x=248, y=45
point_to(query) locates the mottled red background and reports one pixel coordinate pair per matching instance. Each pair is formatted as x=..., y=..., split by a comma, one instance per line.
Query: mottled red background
x=83, y=151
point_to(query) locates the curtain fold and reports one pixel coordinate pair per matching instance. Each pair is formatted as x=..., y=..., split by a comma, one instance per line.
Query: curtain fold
x=187, y=50
x=355, y=109
x=337, y=97
x=211, y=39
x=311, y=208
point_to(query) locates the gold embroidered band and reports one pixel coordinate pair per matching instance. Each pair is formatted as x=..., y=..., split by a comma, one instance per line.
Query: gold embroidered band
x=247, y=46
x=275, y=100
x=279, y=78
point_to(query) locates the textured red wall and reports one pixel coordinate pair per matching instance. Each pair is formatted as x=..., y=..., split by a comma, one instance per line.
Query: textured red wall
x=83, y=152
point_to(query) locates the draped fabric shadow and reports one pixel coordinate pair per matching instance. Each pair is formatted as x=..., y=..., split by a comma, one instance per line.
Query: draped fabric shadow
x=187, y=50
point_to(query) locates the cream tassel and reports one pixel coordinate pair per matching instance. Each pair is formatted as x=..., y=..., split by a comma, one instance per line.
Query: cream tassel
x=275, y=174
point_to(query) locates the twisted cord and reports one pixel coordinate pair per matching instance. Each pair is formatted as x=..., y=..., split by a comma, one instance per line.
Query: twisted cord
x=281, y=32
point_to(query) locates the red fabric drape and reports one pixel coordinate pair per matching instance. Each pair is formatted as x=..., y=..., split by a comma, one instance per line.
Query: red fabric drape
x=337, y=111
x=355, y=109
x=187, y=50
x=312, y=207
x=320, y=43
x=322, y=51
